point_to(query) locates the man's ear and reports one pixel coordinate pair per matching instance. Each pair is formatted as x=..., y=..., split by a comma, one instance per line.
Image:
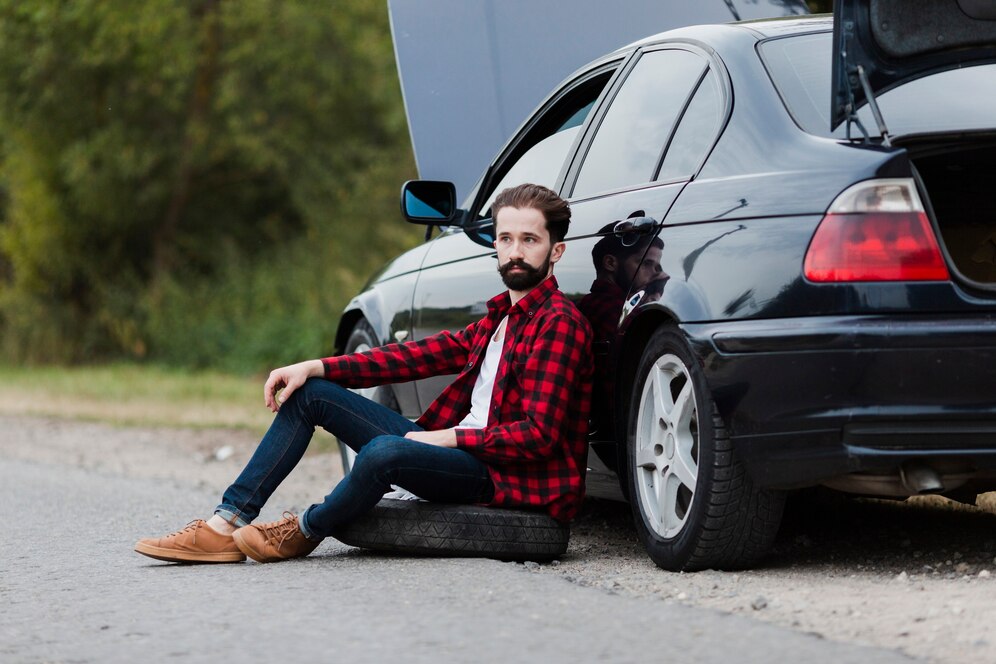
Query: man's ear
x=557, y=251
x=610, y=263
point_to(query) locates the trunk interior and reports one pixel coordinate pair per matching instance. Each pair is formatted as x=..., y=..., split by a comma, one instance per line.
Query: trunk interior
x=961, y=185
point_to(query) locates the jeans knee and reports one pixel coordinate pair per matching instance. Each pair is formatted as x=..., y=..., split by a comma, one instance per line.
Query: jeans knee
x=382, y=453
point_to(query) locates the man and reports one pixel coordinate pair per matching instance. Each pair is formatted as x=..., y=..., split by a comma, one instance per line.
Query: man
x=511, y=430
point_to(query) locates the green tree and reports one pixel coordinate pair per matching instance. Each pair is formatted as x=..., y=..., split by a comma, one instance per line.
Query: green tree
x=181, y=178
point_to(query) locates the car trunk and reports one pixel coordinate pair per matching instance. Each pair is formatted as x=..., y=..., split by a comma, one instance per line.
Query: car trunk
x=960, y=183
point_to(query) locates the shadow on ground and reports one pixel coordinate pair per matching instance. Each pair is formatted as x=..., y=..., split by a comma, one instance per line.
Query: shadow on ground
x=824, y=528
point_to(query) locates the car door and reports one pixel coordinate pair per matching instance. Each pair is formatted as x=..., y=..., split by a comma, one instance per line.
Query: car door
x=459, y=274
x=647, y=144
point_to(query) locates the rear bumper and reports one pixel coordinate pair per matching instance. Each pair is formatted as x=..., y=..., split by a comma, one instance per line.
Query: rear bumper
x=810, y=399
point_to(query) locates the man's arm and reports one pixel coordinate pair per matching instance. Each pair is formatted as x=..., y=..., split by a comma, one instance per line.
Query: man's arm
x=288, y=379
x=441, y=437
x=559, y=359
x=436, y=355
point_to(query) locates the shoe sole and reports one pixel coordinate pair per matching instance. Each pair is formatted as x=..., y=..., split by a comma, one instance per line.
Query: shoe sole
x=248, y=550
x=174, y=556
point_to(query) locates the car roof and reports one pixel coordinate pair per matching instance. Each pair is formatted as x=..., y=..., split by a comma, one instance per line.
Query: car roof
x=763, y=28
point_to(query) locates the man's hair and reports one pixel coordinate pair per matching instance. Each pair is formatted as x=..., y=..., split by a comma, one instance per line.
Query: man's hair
x=615, y=245
x=537, y=197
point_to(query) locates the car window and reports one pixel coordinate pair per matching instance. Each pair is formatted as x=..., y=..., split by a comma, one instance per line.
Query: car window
x=540, y=165
x=541, y=154
x=635, y=129
x=957, y=99
x=696, y=131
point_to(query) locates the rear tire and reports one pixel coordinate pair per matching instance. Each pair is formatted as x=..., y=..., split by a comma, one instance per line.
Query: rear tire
x=694, y=505
x=360, y=339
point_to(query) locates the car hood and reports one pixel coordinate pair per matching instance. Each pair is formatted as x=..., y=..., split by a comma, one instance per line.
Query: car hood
x=896, y=41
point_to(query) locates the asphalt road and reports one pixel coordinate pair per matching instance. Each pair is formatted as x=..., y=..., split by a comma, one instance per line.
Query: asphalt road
x=72, y=590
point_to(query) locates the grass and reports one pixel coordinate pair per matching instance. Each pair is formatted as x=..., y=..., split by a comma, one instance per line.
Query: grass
x=136, y=395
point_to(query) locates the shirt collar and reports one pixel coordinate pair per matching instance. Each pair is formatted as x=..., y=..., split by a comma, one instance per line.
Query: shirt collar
x=501, y=304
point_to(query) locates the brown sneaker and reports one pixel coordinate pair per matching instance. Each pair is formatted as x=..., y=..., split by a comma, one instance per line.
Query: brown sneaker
x=197, y=543
x=270, y=542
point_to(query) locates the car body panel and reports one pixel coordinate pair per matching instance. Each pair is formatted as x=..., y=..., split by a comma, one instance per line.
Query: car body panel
x=894, y=388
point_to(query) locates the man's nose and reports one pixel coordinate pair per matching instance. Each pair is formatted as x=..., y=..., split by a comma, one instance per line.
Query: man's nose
x=516, y=250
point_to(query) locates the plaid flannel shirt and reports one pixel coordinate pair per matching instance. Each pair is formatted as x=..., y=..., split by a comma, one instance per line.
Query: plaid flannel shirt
x=535, y=443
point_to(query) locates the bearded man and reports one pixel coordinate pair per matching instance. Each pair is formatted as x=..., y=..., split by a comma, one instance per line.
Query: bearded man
x=510, y=431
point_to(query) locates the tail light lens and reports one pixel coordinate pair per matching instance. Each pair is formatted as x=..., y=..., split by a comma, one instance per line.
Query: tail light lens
x=876, y=231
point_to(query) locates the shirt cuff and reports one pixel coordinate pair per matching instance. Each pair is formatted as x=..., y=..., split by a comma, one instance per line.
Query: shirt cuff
x=469, y=438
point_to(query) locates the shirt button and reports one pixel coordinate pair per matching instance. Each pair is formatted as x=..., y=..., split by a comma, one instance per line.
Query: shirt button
x=530, y=314
x=470, y=364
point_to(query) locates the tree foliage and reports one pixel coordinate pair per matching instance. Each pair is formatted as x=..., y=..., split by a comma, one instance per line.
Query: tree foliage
x=180, y=179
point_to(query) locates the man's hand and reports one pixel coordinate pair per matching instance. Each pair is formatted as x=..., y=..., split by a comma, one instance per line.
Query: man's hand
x=441, y=438
x=289, y=379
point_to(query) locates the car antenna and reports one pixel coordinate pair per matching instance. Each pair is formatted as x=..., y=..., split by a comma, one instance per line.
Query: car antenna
x=858, y=76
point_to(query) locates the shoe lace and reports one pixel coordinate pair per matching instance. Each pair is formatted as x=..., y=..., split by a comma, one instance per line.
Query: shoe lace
x=192, y=526
x=279, y=532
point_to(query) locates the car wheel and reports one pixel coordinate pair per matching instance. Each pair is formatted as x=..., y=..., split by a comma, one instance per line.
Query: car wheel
x=419, y=527
x=694, y=505
x=360, y=339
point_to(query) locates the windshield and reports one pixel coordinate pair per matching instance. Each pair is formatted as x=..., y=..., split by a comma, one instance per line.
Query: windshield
x=958, y=99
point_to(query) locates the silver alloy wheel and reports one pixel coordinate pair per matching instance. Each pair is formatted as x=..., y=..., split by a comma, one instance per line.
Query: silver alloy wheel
x=667, y=446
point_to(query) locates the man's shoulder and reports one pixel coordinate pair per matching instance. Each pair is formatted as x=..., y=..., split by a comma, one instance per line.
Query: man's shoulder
x=559, y=306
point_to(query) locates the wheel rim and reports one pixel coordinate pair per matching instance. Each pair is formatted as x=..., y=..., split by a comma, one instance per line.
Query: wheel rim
x=667, y=446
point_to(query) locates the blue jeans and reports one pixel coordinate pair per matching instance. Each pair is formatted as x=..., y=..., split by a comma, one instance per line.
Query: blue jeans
x=384, y=457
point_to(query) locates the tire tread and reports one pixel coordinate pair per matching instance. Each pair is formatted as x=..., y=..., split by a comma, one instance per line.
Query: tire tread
x=417, y=527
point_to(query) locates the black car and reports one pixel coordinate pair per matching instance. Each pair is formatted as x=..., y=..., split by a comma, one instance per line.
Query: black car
x=794, y=228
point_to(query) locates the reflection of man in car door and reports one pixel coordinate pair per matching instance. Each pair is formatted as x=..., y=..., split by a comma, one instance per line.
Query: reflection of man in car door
x=511, y=430
x=624, y=263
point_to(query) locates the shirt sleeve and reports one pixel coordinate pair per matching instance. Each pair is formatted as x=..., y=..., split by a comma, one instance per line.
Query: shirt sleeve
x=548, y=379
x=440, y=354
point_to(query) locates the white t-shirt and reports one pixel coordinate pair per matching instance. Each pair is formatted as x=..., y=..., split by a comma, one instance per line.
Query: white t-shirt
x=480, y=398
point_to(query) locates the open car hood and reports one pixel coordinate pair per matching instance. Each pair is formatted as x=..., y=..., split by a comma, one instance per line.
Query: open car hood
x=896, y=41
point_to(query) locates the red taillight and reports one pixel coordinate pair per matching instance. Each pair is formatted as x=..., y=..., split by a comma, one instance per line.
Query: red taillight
x=875, y=231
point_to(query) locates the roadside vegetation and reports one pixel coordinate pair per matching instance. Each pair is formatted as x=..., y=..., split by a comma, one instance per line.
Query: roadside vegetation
x=128, y=394
x=198, y=184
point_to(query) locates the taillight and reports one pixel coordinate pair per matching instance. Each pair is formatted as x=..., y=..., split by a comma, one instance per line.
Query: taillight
x=876, y=231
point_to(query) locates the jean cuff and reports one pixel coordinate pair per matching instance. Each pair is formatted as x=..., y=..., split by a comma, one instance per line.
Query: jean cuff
x=230, y=516
x=301, y=523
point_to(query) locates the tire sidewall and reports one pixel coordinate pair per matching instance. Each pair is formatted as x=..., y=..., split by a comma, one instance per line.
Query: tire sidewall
x=674, y=552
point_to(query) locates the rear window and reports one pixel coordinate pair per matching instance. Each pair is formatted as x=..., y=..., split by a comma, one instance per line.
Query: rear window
x=958, y=99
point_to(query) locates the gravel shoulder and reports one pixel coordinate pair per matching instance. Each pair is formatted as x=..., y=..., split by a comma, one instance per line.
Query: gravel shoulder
x=915, y=577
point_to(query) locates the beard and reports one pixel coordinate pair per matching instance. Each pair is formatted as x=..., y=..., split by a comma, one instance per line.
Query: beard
x=528, y=278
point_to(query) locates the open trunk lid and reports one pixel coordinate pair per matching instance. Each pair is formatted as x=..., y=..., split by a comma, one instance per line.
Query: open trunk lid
x=896, y=41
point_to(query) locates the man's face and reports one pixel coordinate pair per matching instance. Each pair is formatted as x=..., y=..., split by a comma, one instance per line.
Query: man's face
x=640, y=269
x=525, y=253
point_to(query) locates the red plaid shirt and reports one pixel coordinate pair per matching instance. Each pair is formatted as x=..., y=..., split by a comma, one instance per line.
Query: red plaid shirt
x=535, y=444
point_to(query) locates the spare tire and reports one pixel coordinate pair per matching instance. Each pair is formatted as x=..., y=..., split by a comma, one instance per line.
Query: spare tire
x=436, y=529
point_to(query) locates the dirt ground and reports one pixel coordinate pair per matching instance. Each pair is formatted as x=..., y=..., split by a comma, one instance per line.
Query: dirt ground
x=914, y=577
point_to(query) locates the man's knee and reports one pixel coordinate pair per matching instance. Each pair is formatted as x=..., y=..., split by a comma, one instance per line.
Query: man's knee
x=383, y=453
x=314, y=389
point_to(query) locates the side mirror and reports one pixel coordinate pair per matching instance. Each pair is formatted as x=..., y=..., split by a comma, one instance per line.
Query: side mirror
x=429, y=202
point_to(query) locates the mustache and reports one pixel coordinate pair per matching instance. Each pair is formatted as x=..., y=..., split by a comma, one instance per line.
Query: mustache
x=521, y=264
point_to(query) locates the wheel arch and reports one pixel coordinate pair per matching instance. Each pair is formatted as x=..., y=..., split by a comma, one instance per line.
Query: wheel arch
x=369, y=306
